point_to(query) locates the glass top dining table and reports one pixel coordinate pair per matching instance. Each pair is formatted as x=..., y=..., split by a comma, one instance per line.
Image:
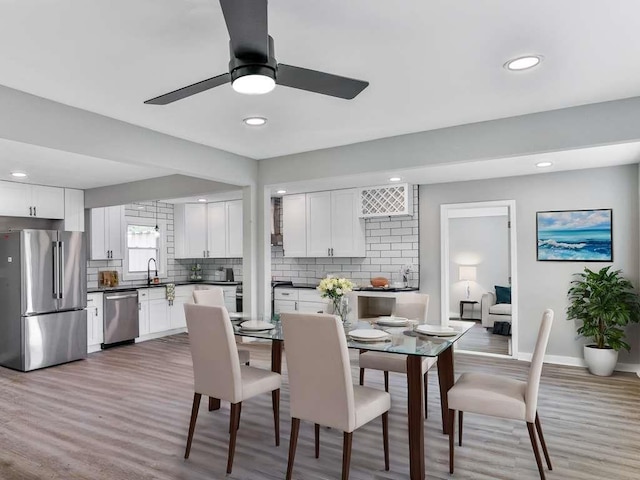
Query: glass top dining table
x=403, y=340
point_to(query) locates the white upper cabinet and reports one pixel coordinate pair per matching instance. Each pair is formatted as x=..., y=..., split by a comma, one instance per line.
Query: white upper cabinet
x=234, y=229
x=318, y=224
x=73, y=210
x=107, y=232
x=323, y=224
x=217, y=230
x=347, y=230
x=294, y=225
x=190, y=225
x=211, y=230
x=23, y=200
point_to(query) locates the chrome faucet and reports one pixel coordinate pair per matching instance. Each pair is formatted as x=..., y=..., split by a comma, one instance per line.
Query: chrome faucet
x=149, y=269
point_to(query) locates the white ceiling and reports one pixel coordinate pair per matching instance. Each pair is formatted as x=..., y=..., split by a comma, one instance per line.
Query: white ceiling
x=431, y=64
x=46, y=166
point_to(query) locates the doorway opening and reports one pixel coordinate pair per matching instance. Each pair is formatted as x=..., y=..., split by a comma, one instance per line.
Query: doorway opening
x=479, y=275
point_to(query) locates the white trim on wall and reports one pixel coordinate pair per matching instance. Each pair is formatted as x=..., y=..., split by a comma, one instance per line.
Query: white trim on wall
x=447, y=212
x=577, y=362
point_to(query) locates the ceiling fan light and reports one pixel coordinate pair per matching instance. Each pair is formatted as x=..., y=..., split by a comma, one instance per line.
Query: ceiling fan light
x=254, y=84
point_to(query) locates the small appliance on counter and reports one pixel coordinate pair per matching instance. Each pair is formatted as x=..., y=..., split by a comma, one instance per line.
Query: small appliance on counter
x=108, y=278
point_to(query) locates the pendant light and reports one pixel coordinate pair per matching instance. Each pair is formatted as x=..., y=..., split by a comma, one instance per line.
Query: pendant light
x=157, y=229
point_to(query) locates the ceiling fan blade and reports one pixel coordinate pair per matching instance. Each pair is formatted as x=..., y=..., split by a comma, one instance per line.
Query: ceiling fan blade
x=185, y=92
x=319, y=82
x=247, y=24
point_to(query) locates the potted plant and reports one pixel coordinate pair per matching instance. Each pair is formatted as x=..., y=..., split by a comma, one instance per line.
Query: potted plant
x=605, y=303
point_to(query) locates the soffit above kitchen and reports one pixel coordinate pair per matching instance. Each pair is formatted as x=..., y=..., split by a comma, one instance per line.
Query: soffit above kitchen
x=429, y=64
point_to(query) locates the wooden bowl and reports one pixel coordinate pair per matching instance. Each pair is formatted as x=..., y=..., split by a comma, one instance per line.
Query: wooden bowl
x=379, y=282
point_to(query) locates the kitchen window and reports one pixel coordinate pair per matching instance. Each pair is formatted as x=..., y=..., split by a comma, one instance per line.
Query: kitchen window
x=142, y=242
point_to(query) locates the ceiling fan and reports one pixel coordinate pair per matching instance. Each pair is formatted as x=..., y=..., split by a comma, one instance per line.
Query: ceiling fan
x=253, y=68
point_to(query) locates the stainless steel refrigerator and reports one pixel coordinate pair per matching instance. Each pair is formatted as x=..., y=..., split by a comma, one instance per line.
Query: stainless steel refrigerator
x=43, y=293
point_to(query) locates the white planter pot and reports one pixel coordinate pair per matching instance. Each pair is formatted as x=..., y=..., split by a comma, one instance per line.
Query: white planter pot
x=600, y=361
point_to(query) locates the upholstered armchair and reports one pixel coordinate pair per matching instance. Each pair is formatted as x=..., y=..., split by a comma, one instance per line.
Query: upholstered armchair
x=494, y=312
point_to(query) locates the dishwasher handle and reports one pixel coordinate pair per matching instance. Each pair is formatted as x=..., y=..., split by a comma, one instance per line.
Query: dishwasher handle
x=121, y=297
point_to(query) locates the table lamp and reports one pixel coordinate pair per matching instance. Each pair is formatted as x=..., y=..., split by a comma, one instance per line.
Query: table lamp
x=468, y=273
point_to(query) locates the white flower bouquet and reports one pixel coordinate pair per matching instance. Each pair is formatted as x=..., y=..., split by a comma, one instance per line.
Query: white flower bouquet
x=335, y=289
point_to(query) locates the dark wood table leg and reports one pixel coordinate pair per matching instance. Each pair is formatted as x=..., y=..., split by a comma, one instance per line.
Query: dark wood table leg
x=415, y=417
x=445, y=377
x=276, y=356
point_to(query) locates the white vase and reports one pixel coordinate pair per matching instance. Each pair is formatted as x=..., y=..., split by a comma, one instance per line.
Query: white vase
x=600, y=361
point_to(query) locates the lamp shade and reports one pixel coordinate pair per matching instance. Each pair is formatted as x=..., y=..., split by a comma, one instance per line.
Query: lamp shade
x=467, y=272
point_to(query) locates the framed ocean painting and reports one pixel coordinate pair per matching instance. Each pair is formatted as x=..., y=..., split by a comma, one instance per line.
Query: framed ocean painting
x=575, y=236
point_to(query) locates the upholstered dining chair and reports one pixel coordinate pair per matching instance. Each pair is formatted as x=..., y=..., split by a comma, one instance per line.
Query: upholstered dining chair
x=218, y=374
x=413, y=306
x=214, y=296
x=504, y=397
x=320, y=386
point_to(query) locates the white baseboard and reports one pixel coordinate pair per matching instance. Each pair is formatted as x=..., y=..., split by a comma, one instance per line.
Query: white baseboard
x=93, y=348
x=578, y=362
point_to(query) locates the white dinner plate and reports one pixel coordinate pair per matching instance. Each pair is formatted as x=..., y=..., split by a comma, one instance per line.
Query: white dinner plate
x=256, y=326
x=368, y=335
x=392, y=321
x=437, y=330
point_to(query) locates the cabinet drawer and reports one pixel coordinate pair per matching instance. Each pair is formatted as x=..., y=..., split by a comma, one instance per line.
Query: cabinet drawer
x=309, y=295
x=312, y=307
x=157, y=293
x=285, y=294
x=280, y=306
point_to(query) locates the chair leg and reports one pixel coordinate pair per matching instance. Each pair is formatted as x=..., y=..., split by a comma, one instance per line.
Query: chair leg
x=192, y=424
x=452, y=418
x=346, y=454
x=317, y=428
x=385, y=439
x=460, y=413
x=214, y=404
x=239, y=413
x=536, y=452
x=234, y=420
x=293, y=443
x=386, y=381
x=542, y=442
x=275, y=403
x=362, y=376
x=426, y=391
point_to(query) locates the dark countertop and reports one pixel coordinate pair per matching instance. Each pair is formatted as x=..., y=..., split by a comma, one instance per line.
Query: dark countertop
x=156, y=285
x=357, y=289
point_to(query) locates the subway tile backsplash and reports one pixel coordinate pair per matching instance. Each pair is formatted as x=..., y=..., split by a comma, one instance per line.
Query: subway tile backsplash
x=178, y=270
x=391, y=243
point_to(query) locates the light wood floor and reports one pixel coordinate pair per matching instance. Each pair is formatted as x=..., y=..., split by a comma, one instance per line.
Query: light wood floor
x=123, y=414
x=479, y=339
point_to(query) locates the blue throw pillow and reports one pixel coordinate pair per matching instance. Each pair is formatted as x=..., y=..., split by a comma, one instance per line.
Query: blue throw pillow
x=503, y=294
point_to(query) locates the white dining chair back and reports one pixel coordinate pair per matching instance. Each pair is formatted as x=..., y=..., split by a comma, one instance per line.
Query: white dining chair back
x=213, y=296
x=535, y=369
x=216, y=365
x=413, y=306
x=320, y=386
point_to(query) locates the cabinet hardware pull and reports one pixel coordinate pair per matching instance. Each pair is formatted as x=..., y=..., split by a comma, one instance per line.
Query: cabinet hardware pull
x=296, y=306
x=96, y=311
x=34, y=212
x=31, y=211
x=332, y=251
x=285, y=294
x=328, y=252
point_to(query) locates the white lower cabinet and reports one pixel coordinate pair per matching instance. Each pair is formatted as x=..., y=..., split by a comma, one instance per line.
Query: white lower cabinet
x=143, y=313
x=300, y=300
x=155, y=313
x=159, y=319
x=95, y=321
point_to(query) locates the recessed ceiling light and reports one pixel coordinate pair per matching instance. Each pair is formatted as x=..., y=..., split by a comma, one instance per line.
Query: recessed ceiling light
x=543, y=164
x=202, y=200
x=523, y=63
x=255, y=121
x=281, y=192
x=18, y=174
x=395, y=179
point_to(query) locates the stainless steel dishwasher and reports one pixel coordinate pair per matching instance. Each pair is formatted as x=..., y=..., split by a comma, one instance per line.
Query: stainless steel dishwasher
x=120, y=317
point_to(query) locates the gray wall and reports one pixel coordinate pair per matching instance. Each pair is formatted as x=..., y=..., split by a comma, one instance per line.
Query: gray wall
x=542, y=284
x=483, y=242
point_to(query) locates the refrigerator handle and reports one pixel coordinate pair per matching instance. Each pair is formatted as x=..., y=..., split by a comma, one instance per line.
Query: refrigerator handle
x=56, y=265
x=61, y=269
